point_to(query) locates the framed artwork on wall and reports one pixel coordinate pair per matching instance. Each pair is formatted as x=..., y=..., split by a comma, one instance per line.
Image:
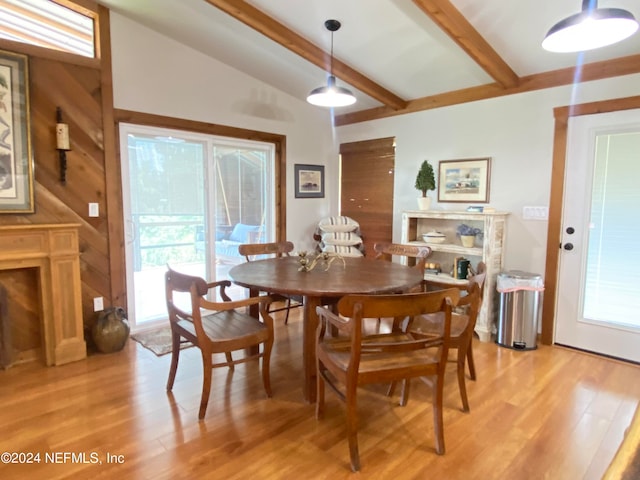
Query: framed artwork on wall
x=309, y=181
x=16, y=162
x=465, y=180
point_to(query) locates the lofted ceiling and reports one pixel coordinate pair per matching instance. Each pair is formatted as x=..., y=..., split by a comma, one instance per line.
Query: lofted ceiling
x=397, y=56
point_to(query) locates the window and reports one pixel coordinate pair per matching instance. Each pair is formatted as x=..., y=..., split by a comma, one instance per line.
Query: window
x=611, y=282
x=47, y=24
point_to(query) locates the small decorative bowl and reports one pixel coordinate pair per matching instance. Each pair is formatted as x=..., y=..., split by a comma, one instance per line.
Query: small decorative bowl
x=434, y=237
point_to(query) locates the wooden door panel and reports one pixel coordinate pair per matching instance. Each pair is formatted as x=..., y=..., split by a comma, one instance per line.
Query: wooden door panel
x=367, y=188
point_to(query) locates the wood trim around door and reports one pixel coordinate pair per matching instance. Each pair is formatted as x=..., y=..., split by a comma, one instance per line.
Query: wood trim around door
x=279, y=142
x=562, y=115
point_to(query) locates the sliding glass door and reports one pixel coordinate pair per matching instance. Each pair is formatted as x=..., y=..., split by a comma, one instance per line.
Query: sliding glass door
x=189, y=200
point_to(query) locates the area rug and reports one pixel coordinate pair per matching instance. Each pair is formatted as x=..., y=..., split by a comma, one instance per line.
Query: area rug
x=157, y=340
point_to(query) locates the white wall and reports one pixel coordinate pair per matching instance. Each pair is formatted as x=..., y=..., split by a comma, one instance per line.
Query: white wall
x=515, y=131
x=154, y=74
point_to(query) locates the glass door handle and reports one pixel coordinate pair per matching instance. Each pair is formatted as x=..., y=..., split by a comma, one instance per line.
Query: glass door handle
x=130, y=231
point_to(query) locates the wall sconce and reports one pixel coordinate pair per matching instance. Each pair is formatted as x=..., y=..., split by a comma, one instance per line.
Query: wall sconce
x=62, y=144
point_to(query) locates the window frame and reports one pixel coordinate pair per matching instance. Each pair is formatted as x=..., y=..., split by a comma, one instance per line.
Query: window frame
x=55, y=34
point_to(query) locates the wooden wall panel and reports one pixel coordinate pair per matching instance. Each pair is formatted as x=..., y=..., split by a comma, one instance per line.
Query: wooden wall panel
x=75, y=87
x=367, y=188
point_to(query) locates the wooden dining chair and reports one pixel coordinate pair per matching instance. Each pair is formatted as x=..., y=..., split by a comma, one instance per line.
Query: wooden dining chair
x=351, y=359
x=224, y=329
x=463, y=323
x=415, y=255
x=253, y=251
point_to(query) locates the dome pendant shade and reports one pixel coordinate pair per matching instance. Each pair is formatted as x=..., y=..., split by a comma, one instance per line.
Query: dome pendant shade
x=331, y=95
x=592, y=28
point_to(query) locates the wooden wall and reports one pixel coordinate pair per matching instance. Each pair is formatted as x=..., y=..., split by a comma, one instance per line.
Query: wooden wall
x=81, y=87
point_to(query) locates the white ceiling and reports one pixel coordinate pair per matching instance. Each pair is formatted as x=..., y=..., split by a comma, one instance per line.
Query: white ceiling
x=392, y=42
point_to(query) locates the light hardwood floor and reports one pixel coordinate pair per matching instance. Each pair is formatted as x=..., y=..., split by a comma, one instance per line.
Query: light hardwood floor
x=551, y=413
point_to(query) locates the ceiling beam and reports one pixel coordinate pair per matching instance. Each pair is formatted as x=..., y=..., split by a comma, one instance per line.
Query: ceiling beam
x=449, y=19
x=290, y=40
x=555, y=78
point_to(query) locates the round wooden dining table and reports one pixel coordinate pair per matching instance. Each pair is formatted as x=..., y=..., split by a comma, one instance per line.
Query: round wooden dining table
x=353, y=276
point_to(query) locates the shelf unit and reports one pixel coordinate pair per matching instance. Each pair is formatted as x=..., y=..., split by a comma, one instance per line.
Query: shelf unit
x=489, y=250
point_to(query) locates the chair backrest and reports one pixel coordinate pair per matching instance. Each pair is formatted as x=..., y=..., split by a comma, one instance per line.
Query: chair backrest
x=395, y=305
x=354, y=308
x=198, y=290
x=470, y=303
x=478, y=279
x=416, y=255
x=273, y=249
x=176, y=282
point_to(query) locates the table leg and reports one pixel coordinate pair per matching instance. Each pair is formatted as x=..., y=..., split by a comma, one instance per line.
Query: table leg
x=254, y=311
x=309, y=326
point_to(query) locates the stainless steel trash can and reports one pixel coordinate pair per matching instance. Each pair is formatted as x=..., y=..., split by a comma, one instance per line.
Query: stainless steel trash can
x=520, y=309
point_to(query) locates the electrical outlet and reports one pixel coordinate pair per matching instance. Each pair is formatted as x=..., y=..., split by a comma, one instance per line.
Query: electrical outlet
x=94, y=210
x=98, y=304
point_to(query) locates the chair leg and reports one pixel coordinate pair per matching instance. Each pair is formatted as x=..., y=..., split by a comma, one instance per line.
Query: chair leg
x=206, y=383
x=286, y=316
x=438, y=423
x=392, y=388
x=175, y=356
x=229, y=358
x=319, y=395
x=404, y=396
x=460, y=363
x=266, y=366
x=472, y=366
x=352, y=426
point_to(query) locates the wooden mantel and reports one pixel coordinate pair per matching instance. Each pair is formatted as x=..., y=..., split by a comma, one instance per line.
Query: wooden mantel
x=53, y=251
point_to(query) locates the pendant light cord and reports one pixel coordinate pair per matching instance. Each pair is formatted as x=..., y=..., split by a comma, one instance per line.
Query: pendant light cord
x=331, y=59
x=331, y=95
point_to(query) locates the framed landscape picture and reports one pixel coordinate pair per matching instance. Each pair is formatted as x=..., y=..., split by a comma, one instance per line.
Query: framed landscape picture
x=309, y=181
x=464, y=180
x=16, y=162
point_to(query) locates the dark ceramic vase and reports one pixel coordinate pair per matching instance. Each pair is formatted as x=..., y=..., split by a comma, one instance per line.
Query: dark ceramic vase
x=111, y=330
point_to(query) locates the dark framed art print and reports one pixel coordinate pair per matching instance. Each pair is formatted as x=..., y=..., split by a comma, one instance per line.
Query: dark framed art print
x=309, y=181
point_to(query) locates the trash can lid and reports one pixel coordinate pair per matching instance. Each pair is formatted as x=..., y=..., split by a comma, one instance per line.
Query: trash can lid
x=513, y=280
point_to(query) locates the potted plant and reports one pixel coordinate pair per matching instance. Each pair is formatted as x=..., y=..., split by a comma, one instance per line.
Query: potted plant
x=468, y=234
x=425, y=181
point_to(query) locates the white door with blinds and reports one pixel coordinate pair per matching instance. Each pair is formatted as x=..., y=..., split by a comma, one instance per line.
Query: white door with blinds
x=598, y=303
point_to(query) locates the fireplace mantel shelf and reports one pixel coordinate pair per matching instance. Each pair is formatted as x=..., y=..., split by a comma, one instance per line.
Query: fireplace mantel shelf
x=53, y=250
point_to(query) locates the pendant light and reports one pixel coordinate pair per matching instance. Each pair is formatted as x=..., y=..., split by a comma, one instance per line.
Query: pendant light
x=592, y=28
x=331, y=95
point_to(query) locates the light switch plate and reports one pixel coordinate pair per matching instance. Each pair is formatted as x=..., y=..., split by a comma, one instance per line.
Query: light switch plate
x=98, y=304
x=535, y=213
x=94, y=210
